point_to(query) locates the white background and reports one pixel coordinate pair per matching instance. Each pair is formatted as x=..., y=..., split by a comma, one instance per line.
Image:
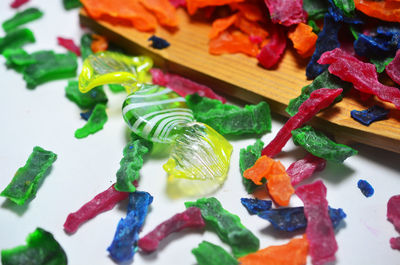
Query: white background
x=45, y=117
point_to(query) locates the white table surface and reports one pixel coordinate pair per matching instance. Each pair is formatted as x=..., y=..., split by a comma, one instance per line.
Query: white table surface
x=86, y=167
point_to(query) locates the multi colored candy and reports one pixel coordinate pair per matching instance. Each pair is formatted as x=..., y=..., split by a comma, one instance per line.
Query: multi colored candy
x=247, y=157
x=227, y=225
x=199, y=159
x=25, y=182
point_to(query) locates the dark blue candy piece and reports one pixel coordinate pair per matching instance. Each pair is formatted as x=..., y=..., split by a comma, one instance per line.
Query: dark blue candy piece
x=86, y=115
x=392, y=32
x=375, y=46
x=365, y=188
x=158, y=43
x=124, y=244
x=293, y=219
x=327, y=41
x=254, y=206
x=336, y=215
x=370, y=115
x=339, y=16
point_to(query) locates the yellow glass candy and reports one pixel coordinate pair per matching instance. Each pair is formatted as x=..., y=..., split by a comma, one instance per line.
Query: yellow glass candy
x=199, y=161
x=114, y=68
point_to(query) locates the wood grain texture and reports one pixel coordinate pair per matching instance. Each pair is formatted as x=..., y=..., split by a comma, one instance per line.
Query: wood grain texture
x=240, y=76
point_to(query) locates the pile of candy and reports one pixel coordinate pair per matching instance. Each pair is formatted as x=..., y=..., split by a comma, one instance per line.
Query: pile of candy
x=168, y=109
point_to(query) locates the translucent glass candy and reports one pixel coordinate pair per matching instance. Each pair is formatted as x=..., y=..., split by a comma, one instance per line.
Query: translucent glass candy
x=114, y=68
x=156, y=113
x=199, y=160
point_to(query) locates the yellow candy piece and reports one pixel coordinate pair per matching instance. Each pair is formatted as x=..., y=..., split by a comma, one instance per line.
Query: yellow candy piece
x=199, y=161
x=114, y=68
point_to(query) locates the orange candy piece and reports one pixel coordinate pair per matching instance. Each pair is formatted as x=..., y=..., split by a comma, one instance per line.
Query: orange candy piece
x=385, y=10
x=251, y=28
x=303, y=39
x=220, y=25
x=278, y=181
x=99, y=43
x=250, y=11
x=122, y=12
x=193, y=5
x=163, y=10
x=235, y=42
x=293, y=253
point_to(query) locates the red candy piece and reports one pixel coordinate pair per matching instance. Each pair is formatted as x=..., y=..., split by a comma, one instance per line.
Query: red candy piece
x=271, y=53
x=69, y=45
x=319, y=231
x=286, y=12
x=393, y=211
x=102, y=202
x=362, y=75
x=191, y=217
x=18, y=3
x=178, y=3
x=183, y=86
x=304, y=168
x=395, y=243
x=319, y=99
x=393, y=68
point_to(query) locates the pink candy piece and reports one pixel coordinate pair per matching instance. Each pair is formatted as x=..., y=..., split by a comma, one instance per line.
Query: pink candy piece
x=362, y=75
x=318, y=100
x=286, y=12
x=393, y=68
x=191, y=217
x=319, y=231
x=102, y=202
x=183, y=86
x=393, y=211
x=304, y=168
x=271, y=53
x=395, y=243
x=18, y=3
x=255, y=39
x=69, y=45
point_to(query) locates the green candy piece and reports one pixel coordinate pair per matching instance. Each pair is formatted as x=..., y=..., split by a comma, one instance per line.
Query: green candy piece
x=209, y=254
x=115, y=88
x=318, y=144
x=229, y=119
x=131, y=163
x=95, y=123
x=41, y=249
x=86, y=42
x=314, y=26
x=50, y=66
x=381, y=63
x=324, y=80
x=228, y=226
x=18, y=59
x=315, y=9
x=71, y=4
x=85, y=100
x=16, y=39
x=247, y=158
x=26, y=180
x=347, y=6
x=21, y=18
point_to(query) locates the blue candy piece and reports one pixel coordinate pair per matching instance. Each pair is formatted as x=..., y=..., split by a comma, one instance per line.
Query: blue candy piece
x=370, y=115
x=124, y=244
x=365, y=188
x=158, y=43
x=255, y=206
x=391, y=32
x=293, y=219
x=374, y=46
x=327, y=41
x=86, y=115
x=336, y=215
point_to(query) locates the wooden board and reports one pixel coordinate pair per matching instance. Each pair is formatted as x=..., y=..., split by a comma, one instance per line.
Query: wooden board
x=240, y=76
